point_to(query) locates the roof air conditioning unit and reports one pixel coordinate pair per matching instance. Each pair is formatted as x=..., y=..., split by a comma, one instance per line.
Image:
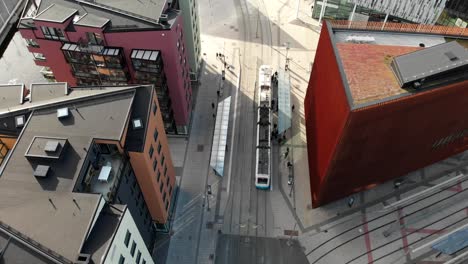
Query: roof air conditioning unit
x=63, y=112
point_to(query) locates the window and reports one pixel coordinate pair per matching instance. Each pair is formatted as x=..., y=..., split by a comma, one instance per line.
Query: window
x=39, y=56
x=132, y=250
x=159, y=148
x=155, y=135
x=127, y=238
x=161, y=186
x=155, y=107
x=32, y=43
x=162, y=159
x=164, y=197
x=155, y=164
x=121, y=259
x=137, y=123
x=138, y=257
x=170, y=191
x=94, y=38
x=144, y=262
x=165, y=170
x=151, y=151
x=159, y=176
x=167, y=181
x=178, y=44
x=53, y=33
x=167, y=205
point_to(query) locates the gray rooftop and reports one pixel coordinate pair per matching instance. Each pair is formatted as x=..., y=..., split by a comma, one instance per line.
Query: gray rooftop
x=16, y=252
x=429, y=62
x=147, y=8
x=46, y=91
x=55, y=13
x=11, y=95
x=391, y=38
x=134, y=14
x=92, y=21
x=41, y=207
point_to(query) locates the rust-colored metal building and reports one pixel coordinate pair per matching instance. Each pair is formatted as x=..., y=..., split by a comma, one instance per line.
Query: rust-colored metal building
x=383, y=101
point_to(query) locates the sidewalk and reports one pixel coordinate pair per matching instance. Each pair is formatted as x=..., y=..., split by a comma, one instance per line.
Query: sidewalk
x=194, y=232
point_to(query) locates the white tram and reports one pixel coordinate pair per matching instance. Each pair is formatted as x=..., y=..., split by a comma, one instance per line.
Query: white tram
x=263, y=146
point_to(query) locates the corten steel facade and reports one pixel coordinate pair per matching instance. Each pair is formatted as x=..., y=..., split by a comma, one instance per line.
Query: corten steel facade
x=354, y=145
x=96, y=43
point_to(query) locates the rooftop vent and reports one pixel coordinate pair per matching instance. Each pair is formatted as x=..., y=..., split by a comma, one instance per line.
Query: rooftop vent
x=163, y=18
x=451, y=56
x=83, y=259
x=51, y=146
x=137, y=123
x=63, y=112
x=19, y=121
x=41, y=171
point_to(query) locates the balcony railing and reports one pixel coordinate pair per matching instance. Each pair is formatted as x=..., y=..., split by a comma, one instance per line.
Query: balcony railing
x=86, y=46
x=399, y=27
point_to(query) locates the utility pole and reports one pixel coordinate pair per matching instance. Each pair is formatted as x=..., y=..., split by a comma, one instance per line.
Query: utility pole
x=297, y=9
x=258, y=21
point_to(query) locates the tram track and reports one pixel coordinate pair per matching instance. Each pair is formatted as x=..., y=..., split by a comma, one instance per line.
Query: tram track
x=388, y=223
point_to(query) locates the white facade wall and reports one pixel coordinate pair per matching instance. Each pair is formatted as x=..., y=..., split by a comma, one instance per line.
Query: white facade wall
x=118, y=248
x=418, y=11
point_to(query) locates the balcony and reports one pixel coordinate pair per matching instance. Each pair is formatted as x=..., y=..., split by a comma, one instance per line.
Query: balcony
x=106, y=165
x=89, y=47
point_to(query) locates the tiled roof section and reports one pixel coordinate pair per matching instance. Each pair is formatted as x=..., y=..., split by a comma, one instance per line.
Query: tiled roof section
x=368, y=72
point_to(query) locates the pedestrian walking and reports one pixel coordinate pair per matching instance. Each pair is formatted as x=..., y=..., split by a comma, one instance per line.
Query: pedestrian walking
x=293, y=108
x=212, y=105
x=217, y=92
x=284, y=137
x=214, y=116
x=289, y=164
x=217, y=55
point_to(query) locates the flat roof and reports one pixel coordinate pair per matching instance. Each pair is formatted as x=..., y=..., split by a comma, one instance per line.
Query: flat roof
x=147, y=8
x=50, y=201
x=46, y=91
x=391, y=38
x=55, y=13
x=92, y=20
x=368, y=72
x=364, y=53
x=11, y=95
x=133, y=14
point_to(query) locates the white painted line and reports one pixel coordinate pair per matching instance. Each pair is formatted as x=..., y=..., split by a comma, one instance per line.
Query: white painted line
x=233, y=126
x=425, y=192
x=458, y=258
x=439, y=238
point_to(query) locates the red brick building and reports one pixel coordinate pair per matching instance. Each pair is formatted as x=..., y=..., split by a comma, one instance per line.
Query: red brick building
x=366, y=126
